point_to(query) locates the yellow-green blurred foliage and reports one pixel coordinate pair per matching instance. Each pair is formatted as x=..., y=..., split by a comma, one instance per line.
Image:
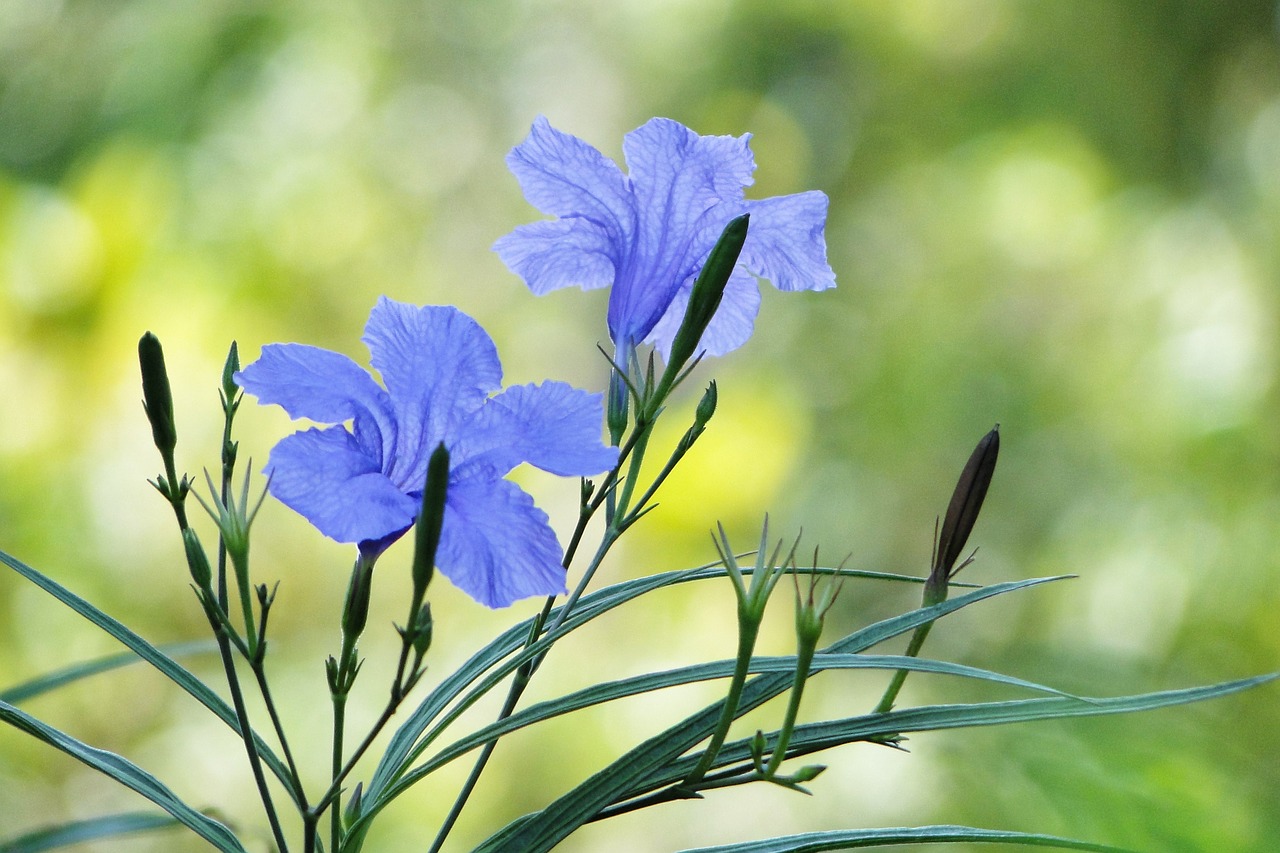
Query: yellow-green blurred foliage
x=1059, y=216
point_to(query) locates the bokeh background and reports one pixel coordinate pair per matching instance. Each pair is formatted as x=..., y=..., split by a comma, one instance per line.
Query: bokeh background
x=1062, y=217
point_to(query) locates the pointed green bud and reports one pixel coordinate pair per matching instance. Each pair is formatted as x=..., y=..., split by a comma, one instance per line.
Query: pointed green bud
x=707, y=291
x=229, y=370
x=355, y=612
x=807, y=773
x=430, y=520
x=706, y=407
x=962, y=512
x=352, y=811
x=616, y=414
x=422, y=630
x=197, y=559
x=157, y=399
x=758, y=746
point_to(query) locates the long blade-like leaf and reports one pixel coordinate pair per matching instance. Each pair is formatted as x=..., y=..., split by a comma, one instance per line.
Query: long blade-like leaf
x=543, y=830
x=814, y=737
x=850, y=839
x=53, y=680
x=126, y=773
x=405, y=746
x=610, y=691
x=107, y=826
x=149, y=653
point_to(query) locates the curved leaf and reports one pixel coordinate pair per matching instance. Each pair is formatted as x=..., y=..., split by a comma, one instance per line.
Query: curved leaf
x=149, y=653
x=408, y=743
x=107, y=826
x=543, y=830
x=814, y=737
x=126, y=773
x=600, y=693
x=850, y=839
x=54, y=680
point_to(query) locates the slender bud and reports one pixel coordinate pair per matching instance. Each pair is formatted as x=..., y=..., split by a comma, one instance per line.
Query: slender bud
x=430, y=519
x=707, y=291
x=354, y=805
x=229, y=370
x=197, y=560
x=966, y=503
x=706, y=407
x=616, y=415
x=355, y=613
x=422, y=630
x=157, y=399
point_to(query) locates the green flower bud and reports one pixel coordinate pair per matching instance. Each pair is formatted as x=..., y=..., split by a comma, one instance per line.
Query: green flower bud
x=422, y=630
x=706, y=407
x=354, y=805
x=707, y=291
x=229, y=370
x=157, y=399
x=355, y=612
x=430, y=520
x=616, y=413
x=197, y=560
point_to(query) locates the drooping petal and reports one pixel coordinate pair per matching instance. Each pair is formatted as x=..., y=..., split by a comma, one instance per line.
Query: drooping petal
x=553, y=426
x=313, y=383
x=325, y=476
x=496, y=546
x=563, y=176
x=730, y=327
x=572, y=252
x=785, y=243
x=439, y=367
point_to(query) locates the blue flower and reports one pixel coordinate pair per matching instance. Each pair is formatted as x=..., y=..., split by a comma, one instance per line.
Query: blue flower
x=647, y=233
x=363, y=484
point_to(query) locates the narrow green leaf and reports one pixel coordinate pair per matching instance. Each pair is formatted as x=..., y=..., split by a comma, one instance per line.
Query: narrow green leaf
x=610, y=691
x=149, y=653
x=543, y=830
x=107, y=826
x=849, y=839
x=814, y=737
x=126, y=773
x=62, y=677
x=406, y=745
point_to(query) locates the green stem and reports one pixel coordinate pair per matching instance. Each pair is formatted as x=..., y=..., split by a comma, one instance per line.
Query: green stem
x=804, y=657
x=935, y=593
x=748, y=630
x=339, y=723
x=259, y=671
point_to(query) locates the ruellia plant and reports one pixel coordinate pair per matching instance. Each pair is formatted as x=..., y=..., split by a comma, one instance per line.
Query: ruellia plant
x=422, y=452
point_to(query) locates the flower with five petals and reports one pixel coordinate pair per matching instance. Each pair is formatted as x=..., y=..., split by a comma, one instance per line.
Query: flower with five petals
x=647, y=233
x=363, y=483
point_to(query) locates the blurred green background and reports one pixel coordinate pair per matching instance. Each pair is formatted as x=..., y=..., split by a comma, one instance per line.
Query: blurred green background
x=1058, y=216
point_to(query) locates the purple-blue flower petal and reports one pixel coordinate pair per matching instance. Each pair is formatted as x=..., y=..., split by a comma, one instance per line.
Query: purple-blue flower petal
x=681, y=180
x=496, y=546
x=677, y=174
x=563, y=176
x=785, y=243
x=553, y=426
x=313, y=383
x=681, y=190
x=561, y=253
x=326, y=476
x=439, y=366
